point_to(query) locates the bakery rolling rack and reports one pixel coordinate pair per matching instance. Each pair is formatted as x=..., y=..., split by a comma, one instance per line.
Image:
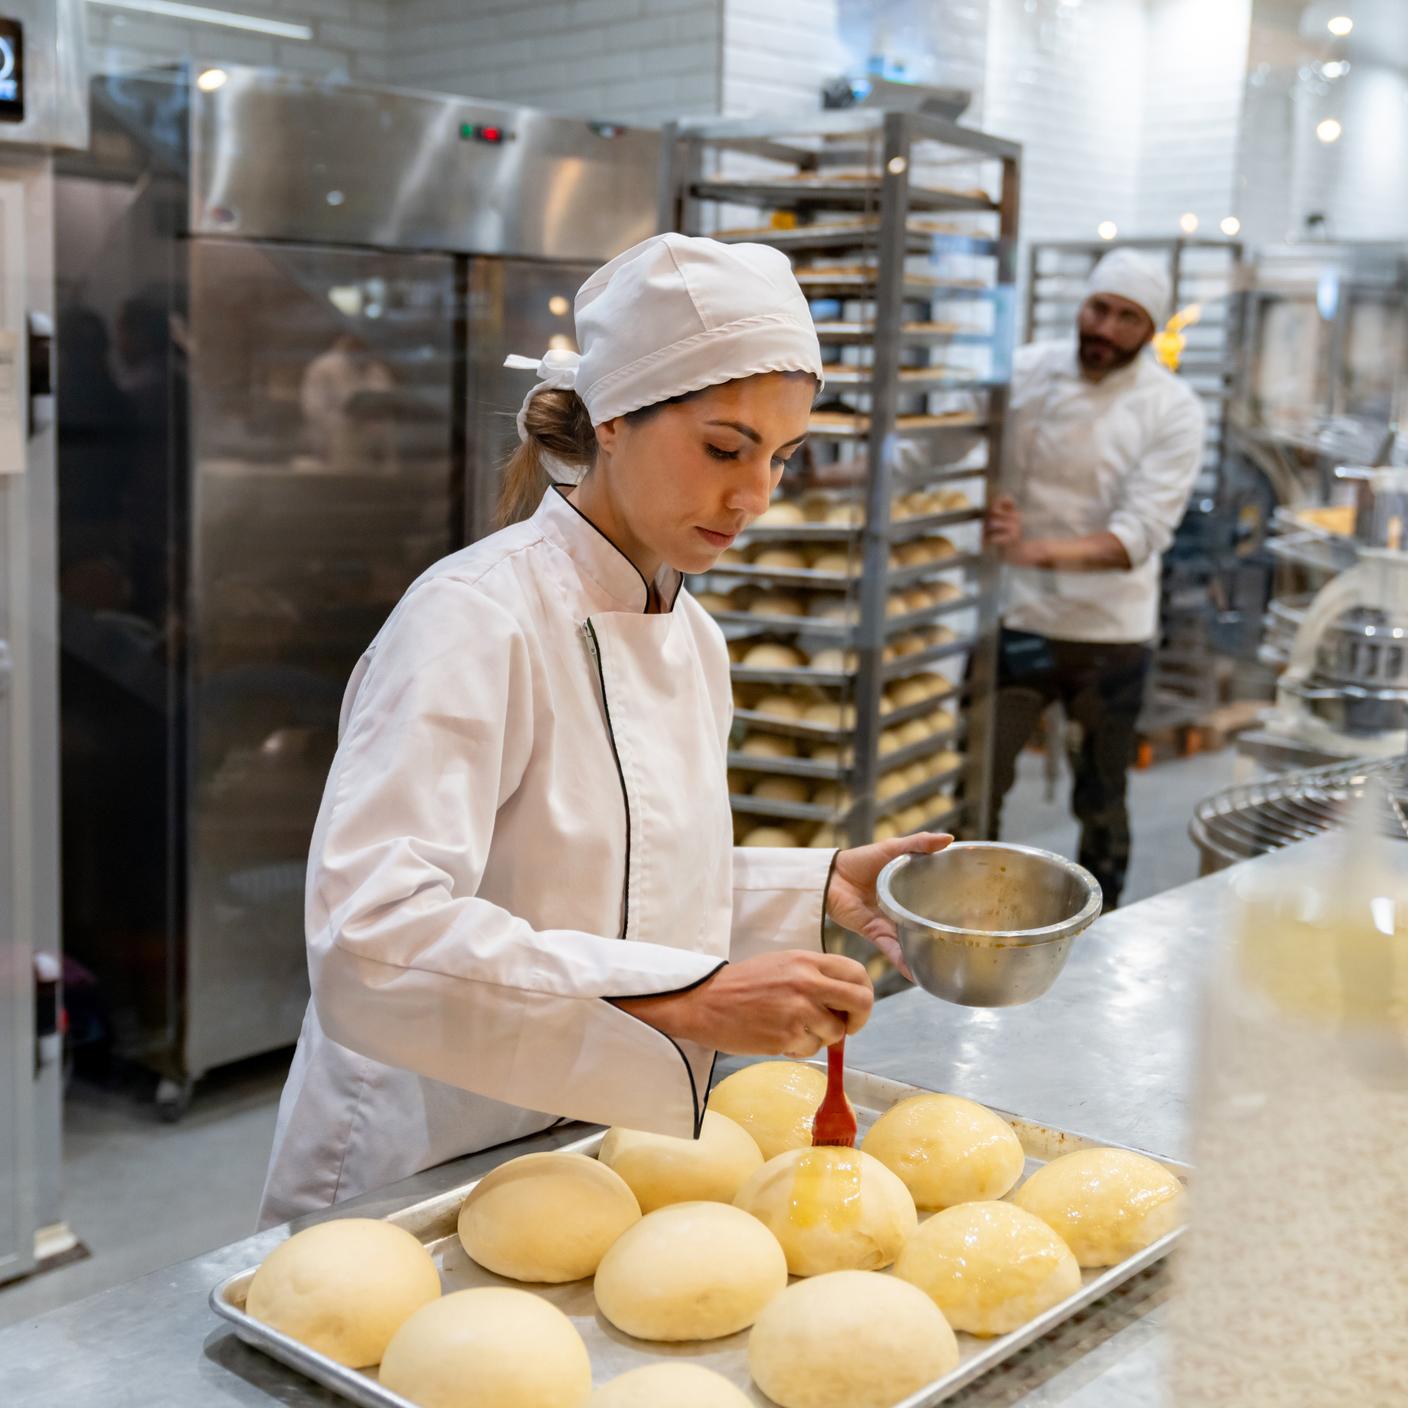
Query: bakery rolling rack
x=861, y=610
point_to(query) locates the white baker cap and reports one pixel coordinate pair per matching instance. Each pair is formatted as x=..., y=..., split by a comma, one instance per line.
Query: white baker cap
x=674, y=314
x=1134, y=276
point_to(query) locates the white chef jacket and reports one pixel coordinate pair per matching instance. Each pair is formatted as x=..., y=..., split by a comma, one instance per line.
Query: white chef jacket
x=1118, y=455
x=527, y=815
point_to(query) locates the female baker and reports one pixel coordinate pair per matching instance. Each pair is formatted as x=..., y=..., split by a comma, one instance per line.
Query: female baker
x=523, y=902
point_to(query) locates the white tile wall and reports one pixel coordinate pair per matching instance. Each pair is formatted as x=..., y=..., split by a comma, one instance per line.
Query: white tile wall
x=349, y=38
x=637, y=60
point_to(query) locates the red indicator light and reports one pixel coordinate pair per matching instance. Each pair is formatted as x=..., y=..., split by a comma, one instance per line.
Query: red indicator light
x=491, y=134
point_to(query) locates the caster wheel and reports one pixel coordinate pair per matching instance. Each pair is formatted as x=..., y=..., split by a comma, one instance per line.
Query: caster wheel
x=173, y=1098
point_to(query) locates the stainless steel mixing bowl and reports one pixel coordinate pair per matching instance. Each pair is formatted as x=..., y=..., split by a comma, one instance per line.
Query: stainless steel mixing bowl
x=987, y=924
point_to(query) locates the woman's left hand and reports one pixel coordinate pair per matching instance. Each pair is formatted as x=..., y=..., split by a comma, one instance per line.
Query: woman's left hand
x=850, y=898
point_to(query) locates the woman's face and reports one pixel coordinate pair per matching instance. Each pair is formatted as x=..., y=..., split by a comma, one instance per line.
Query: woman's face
x=684, y=482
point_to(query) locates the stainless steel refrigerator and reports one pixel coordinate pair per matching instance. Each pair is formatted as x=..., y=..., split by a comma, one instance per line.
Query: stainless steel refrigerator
x=287, y=304
x=41, y=110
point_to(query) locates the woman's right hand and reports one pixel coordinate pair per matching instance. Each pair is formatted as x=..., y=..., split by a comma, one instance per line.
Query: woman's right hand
x=791, y=1003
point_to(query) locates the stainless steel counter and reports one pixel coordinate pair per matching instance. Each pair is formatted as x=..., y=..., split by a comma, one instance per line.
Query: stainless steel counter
x=1107, y=1052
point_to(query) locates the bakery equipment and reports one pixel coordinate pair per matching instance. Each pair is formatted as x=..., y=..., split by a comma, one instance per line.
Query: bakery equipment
x=988, y=923
x=1253, y=819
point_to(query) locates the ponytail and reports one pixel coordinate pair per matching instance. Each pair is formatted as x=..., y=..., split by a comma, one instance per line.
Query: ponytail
x=558, y=426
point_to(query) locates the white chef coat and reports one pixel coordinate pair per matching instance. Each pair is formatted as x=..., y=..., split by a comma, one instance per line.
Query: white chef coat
x=1118, y=455
x=527, y=814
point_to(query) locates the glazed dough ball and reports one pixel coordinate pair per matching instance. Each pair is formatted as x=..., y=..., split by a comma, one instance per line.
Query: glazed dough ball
x=782, y=789
x=674, y=1383
x=1106, y=1204
x=775, y=604
x=781, y=706
x=693, y=1271
x=832, y=1209
x=851, y=1339
x=344, y=1287
x=768, y=745
x=781, y=514
x=781, y=559
x=768, y=836
x=489, y=1348
x=546, y=1217
x=661, y=1170
x=990, y=1267
x=771, y=656
x=947, y=1150
x=774, y=1101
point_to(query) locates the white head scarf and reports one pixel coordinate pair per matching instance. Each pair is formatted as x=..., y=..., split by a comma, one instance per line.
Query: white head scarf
x=1128, y=274
x=675, y=314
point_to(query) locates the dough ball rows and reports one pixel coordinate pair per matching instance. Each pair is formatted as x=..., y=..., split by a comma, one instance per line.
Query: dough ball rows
x=694, y=1240
x=827, y=606
x=776, y=655
x=820, y=506
x=828, y=557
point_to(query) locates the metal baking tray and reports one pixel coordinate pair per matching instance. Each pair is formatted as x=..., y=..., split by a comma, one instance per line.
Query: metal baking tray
x=434, y=1222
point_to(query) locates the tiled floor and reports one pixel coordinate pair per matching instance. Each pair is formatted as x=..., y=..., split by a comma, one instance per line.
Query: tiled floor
x=142, y=1194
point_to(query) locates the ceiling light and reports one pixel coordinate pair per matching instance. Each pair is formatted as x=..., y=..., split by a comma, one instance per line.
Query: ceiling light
x=1336, y=68
x=1188, y=223
x=558, y=306
x=1340, y=26
x=1230, y=226
x=1329, y=130
x=1107, y=229
x=201, y=14
x=211, y=79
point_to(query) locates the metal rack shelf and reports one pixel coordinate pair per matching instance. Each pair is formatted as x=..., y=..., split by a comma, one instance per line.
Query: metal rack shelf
x=894, y=312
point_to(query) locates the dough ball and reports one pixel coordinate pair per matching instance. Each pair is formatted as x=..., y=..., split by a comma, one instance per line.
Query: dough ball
x=830, y=713
x=692, y=1271
x=910, y=820
x=947, y=1150
x=851, y=1339
x=661, y=1170
x=886, y=830
x=775, y=604
x=832, y=562
x=846, y=515
x=771, y=656
x=768, y=836
x=816, y=504
x=1106, y=1204
x=774, y=1101
x=936, y=549
x=940, y=721
x=781, y=559
x=835, y=795
x=344, y=1287
x=781, y=514
x=910, y=691
x=915, y=731
x=944, y=592
x=713, y=601
x=782, y=789
x=780, y=706
x=890, y=785
x=834, y=753
x=768, y=745
x=835, y=660
x=737, y=556
x=546, y=1217
x=915, y=773
x=826, y=837
x=831, y=609
x=990, y=1267
x=832, y=1209
x=489, y=1348
x=674, y=1383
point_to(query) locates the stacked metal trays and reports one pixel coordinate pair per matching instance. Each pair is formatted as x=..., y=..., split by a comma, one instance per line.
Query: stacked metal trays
x=1241, y=822
x=859, y=240
x=433, y=1222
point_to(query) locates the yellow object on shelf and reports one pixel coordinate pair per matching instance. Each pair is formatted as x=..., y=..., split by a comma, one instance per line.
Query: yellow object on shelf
x=1169, y=344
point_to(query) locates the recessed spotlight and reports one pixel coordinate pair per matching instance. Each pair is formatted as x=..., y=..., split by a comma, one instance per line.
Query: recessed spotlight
x=335, y=197
x=211, y=79
x=1188, y=223
x=558, y=306
x=1230, y=226
x=897, y=166
x=1329, y=130
x=1107, y=229
x=1340, y=26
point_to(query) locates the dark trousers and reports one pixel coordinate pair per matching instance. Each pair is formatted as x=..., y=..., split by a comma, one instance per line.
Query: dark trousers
x=1101, y=689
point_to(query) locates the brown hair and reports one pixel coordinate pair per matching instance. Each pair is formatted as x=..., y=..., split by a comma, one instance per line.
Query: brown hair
x=559, y=425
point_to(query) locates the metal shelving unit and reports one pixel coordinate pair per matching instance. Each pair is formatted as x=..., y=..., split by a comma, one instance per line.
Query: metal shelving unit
x=911, y=285
x=1208, y=272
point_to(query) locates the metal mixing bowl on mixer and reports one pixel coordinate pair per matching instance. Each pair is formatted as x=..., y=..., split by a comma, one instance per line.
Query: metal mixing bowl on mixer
x=987, y=924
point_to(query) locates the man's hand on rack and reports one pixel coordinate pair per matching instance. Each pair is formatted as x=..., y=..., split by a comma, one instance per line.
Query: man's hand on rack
x=850, y=898
x=1002, y=529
